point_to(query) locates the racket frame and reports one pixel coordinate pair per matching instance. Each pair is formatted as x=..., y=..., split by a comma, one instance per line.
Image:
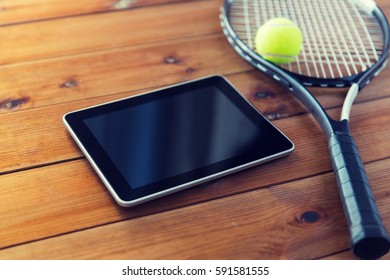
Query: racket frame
x=365, y=242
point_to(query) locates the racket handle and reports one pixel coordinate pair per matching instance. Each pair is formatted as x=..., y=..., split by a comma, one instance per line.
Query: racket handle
x=369, y=237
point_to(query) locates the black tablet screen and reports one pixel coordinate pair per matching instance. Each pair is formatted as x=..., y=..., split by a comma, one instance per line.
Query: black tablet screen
x=156, y=140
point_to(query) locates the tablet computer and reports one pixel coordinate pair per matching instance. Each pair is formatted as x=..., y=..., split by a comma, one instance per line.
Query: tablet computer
x=157, y=143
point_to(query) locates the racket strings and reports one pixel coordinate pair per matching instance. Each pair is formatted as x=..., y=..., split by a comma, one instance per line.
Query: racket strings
x=340, y=39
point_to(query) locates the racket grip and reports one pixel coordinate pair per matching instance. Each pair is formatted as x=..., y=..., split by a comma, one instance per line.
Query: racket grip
x=369, y=237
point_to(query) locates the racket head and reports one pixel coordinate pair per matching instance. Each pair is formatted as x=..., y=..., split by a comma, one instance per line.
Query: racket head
x=331, y=56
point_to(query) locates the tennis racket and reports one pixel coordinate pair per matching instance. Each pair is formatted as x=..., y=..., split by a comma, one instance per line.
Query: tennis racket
x=345, y=44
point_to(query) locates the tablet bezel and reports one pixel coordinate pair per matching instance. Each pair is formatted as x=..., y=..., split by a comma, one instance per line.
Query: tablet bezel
x=115, y=182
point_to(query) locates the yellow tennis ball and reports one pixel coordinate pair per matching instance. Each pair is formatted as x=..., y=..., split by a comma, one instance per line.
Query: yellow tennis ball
x=279, y=40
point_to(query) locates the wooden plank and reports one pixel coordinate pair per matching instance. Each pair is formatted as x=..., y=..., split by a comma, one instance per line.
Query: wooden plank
x=274, y=101
x=42, y=40
x=113, y=71
x=45, y=192
x=79, y=77
x=298, y=220
x=12, y=11
x=72, y=195
x=49, y=142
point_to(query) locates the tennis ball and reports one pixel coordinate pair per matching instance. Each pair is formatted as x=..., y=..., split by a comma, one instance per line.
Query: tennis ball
x=278, y=40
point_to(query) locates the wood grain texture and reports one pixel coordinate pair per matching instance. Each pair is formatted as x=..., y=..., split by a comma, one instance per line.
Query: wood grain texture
x=78, y=77
x=113, y=71
x=39, y=195
x=12, y=11
x=59, y=56
x=48, y=141
x=72, y=35
x=263, y=224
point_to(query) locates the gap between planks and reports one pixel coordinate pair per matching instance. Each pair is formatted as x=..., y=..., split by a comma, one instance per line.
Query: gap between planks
x=240, y=216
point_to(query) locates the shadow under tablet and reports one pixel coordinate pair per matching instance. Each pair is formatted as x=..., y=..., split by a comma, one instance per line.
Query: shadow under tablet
x=150, y=145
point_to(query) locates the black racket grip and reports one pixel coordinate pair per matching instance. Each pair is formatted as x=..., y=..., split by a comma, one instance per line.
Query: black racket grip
x=369, y=237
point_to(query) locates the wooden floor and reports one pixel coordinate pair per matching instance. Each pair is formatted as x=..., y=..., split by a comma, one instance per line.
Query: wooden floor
x=58, y=56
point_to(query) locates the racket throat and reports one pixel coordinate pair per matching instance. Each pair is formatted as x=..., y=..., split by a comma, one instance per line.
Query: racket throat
x=349, y=99
x=340, y=127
